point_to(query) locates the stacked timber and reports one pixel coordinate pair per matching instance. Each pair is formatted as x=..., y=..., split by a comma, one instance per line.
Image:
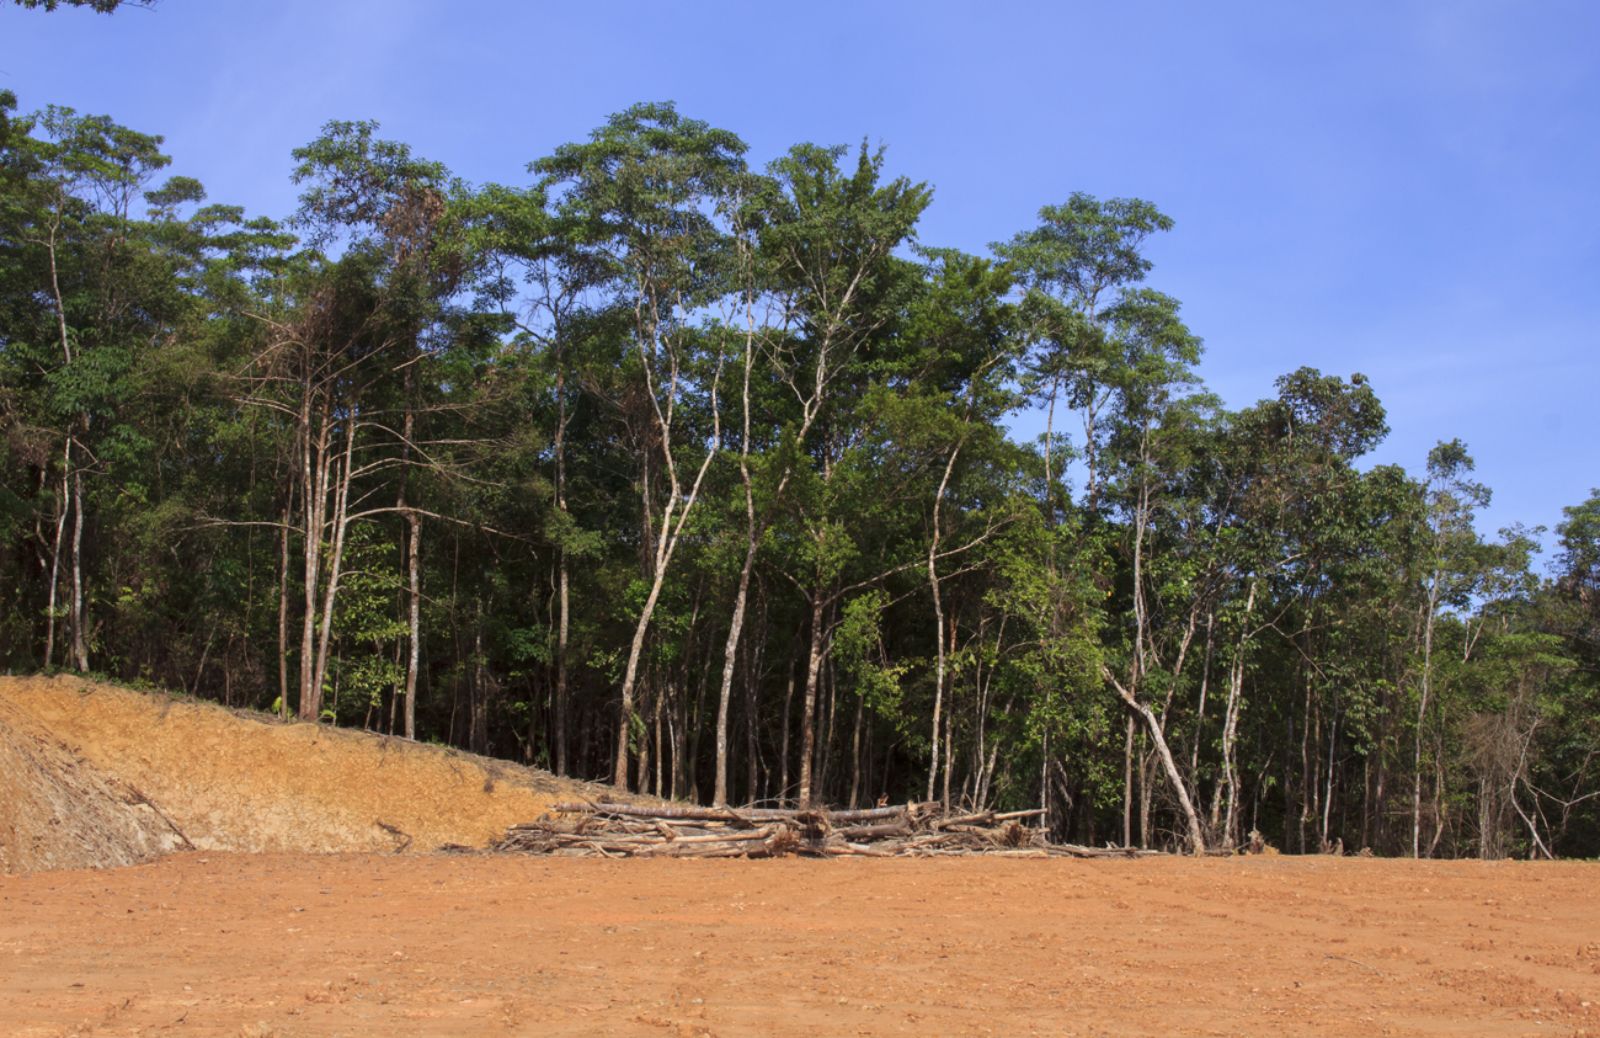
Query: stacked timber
x=614, y=830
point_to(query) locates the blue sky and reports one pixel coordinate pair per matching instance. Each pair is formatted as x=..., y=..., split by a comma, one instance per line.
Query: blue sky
x=1404, y=189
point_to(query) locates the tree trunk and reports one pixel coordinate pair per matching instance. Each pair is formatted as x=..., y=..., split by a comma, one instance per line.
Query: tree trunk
x=630, y=676
x=1230, y=726
x=413, y=619
x=808, y=718
x=1422, y=713
x=413, y=572
x=1127, y=783
x=283, y=611
x=63, y=506
x=558, y=734
x=341, y=522
x=730, y=655
x=855, y=753
x=314, y=469
x=1197, y=840
x=80, y=641
x=783, y=752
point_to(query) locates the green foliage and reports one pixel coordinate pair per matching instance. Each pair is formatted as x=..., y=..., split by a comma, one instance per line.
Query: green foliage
x=521, y=383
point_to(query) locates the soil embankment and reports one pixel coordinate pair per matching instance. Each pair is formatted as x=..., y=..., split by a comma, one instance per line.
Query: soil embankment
x=93, y=774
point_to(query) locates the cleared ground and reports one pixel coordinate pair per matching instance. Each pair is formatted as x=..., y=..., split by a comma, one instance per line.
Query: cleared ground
x=290, y=945
x=286, y=943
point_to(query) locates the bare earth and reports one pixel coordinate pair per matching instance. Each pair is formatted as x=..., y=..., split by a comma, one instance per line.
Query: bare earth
x=296, y=944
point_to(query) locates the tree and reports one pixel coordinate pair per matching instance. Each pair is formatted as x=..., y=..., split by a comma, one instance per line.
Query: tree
x=703, y=480
x=638, y=200
x=98, y=6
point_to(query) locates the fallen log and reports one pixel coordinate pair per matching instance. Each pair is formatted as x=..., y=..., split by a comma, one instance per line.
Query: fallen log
x=616, y=830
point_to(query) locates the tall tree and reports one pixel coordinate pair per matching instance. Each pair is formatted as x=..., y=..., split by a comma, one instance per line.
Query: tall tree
x=639, y=200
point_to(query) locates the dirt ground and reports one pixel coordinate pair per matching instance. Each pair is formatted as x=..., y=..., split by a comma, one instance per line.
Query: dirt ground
x=288, y=945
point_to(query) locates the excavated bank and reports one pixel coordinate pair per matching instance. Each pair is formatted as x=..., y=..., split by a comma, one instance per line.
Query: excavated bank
x=86, y=753
x=57, y=811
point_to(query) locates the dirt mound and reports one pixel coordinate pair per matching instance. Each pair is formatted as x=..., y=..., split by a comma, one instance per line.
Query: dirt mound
x=58, y=811
x=87, y=754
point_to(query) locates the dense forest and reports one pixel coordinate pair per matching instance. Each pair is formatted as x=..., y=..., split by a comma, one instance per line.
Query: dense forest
x=660, y=467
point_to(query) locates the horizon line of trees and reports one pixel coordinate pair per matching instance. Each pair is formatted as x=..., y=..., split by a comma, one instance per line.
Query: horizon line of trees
x=695, y=477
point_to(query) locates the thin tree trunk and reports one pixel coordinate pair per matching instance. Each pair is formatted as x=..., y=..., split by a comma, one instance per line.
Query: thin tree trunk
x=1197, y=840
x=827, y=743
x=1422, y=713
x=730, y=654
x=753, y=662
x=477, y=712
x=558, y=735
x=1200, y=708
x=283, y=610
x=336, y=553
x=666, y=545
x=808, y=721
x=315, y=476
x=413, y=620
x=80, y=641
x=413, y=573
x=783, y=753
x=730, y=651
x=855, y=753
x=63, y=506
x=1230, y=728
x=69, y=474
x=1127, y=783
x=938, y=620
x=949, y=745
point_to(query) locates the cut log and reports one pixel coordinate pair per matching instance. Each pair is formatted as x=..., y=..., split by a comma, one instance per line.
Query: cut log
x=679, y=831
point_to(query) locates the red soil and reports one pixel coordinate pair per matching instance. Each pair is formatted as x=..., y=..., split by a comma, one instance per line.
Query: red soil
x=286, y=945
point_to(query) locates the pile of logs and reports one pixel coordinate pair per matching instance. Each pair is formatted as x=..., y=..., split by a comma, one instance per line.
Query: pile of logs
x=615, y=830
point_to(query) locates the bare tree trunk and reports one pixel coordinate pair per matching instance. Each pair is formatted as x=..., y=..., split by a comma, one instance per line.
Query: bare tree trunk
x=783, y=753
x=1200, y=708
x=413, y=572
x=938, y=621
x=413, y=619
x=1422, y=712
x=63, y=506
x=1230, y=729
x=666, y=544
x=753, y=661
x=80, y=643
x=1141, y=623
x=68, y=471
x=1327, y=799
x=1127, y=784
x=949, y=748
x=341, y=524
x=730, y=651
x=656, y=725
x=559, y=723
x=283, y=610
x=855, y=753
x=682, y=762
x=825, y=745
x=1045, y=818
x=1197, y=840
x=808, y=721
x=719, y=794
x=315, y=476
x=478, y=702
x=630, y=677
